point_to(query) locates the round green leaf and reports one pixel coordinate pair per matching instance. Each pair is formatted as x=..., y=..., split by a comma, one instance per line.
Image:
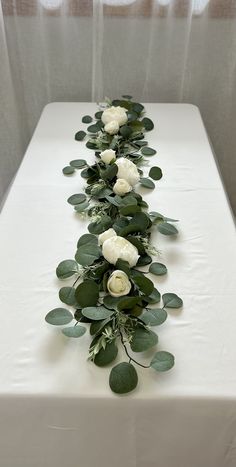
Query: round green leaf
x=97, y=326
x=87, y=239
x=81, y=207
x=59, y=316
x=158, y=269
x=67, y=295
x=93, y=128
x=137, y=107
x=111, y=302
x=76, y=199
x=87, y=294
x=144, y=260
x=154, y=316
x=107, y=355
x=155, y=173
x=78, y=163
x=68, y=170
x=123, y=378
x=129, y=210
x=98, y=115
x=155, y=297
x=66, y=269
x=125, y=131
x=144, y=284
x=147, y=123
x=96, y=312
x=167, y=229
x=87, y=119
x=74, y=331
x=87, y=254
x=146, y=151
x=171, y=300
x=127, y=96
x=162, y=361
x=147, y=183
x=143, y=339
x=80, y=135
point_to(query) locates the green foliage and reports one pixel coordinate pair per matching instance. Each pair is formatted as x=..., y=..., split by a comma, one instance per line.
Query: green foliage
x=76, y=199
x=67, y=295
x=158, y=269
x=146, y=151
x=68, y=170
x=66, y=268
x=59, y=317
x=162, y=361
x=123, y=378
x=154, y=316
x=143, y=339
x=96, y=312
x=87, y=119
x=106, y=356
x=80, y=135
x=167, y=229
x=87, y=294
x=78, y=163
x=148, y=124
x=147, y=183
x=155, y=173
x=74, y=331
x=171, y=300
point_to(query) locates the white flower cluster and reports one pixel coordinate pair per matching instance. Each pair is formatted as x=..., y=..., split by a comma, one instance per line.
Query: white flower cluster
x=113, y=118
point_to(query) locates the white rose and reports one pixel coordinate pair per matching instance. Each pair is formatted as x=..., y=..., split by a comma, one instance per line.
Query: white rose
x=105, y=235
x=112, y=127
x=127, y=170
x=118, y=114
x=118, y=284
x=108, y=155
x=121, y=187
x=119, y=248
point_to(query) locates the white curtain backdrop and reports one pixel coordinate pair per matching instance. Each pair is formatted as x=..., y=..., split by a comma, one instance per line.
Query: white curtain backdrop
x=157, y=50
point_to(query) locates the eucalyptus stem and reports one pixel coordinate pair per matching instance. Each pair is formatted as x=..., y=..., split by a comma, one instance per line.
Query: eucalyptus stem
x=127, y=353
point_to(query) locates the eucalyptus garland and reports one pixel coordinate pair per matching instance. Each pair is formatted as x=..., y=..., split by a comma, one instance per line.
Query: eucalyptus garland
x=111, y=292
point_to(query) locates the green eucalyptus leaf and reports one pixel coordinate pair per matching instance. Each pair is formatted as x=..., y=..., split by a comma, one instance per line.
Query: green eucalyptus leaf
x=144, y=284
x=171, y=300
x=68, y=170
x=127, y=96
x=74, y=331
x=87, y=239
x=130, y=210
x=127, y=303
x=81, y=207
x=66, y=268
x=78, y=163
x=167, y=229
x=146, y=151
x=110, y=172
x=147, y=123
x=59, y=317
x=76, y=199
x=155, y=173
x=87, y=294
x=162, y=361
x=123, y=378
x=144, y=260
x=93, y=128
x=158, y=269
x=67, y=295
x=154, y=297
x=147, y=183
x=96, y=312
x=111, y=302
x=100, y=226
x=80, y=135
x=143, y=339
x=106, y=356
x=125, y=131
x=97, y=326
x=154, y=316
x=138, y=244
x=137, y=107
x=87, y=254
x=87, y=119
x=98, y=115
x=123, y=266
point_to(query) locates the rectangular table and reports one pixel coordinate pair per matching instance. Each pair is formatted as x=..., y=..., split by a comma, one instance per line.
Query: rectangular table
x=56, y=409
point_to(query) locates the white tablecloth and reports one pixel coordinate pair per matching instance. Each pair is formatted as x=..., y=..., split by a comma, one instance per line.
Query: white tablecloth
x=56, y=409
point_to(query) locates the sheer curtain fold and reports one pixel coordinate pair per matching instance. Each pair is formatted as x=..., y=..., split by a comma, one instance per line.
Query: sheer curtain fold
x=157, y=50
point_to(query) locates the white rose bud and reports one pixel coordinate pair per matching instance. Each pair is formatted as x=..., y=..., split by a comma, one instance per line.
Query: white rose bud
x=127, y=170
x=118, y=284
x=121, y=187
x=119, y=248
x=108, y=155
x=105, y=235
x=112, y=127
x=118, y=114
